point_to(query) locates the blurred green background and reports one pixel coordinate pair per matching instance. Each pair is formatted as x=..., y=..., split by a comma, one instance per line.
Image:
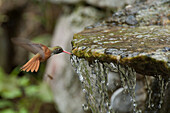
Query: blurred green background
x=22, y=92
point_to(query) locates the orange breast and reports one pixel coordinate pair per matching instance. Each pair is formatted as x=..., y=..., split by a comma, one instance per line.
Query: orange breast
x=47, y=53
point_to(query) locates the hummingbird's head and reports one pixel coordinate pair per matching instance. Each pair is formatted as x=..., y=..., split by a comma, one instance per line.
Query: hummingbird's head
x=58, y=49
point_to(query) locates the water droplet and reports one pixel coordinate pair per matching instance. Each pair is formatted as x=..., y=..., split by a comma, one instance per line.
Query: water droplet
x=159, y=106
x=85, y=107
x=161, y=102
x=103, y=81
x=81, y=78
x=139, y=111
x=134, y=105
x=152, y=105
x=84, y=91
x=107, y=84
x=111, y=34
x=139, y=36
x=142, y=42
x=116, y=83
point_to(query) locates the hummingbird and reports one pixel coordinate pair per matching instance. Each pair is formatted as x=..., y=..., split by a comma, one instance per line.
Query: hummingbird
x=42, y=53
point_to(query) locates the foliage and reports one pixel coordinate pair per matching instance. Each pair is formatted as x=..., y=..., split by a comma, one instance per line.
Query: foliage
x=23, y=94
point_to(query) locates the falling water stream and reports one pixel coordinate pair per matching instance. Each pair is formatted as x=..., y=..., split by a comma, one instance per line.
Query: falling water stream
x=128, y=79
x=94, y=84
x=157, y=93
x=94, y=80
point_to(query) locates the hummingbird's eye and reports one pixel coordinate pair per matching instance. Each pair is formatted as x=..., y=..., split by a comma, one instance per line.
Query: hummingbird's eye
x=58, y=50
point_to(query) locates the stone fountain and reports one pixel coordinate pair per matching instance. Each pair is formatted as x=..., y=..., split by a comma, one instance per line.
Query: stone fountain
x=124, y=65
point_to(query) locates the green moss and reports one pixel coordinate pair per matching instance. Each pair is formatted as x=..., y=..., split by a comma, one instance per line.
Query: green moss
x=143, y=48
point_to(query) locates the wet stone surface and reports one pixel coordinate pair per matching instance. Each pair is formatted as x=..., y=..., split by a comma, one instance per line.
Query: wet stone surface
x=113, y=57
x=145, y=48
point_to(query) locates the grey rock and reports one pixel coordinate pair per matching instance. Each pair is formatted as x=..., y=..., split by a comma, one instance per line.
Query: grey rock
x=98, y=3
x=119, y=98
x=110, y=3
x=113, y=81
x=131, y=20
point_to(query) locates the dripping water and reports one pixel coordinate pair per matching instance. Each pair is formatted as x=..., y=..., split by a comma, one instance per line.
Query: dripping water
x=128, y=80
x=94, y=82
x=156, y=88
x=93, y=78
x=149, y=91
x=163, y=83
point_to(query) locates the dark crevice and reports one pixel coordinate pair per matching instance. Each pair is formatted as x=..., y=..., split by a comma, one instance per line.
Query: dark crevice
x=11, y=28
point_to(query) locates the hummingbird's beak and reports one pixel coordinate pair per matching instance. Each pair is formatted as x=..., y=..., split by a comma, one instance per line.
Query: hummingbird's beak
x=67, y=52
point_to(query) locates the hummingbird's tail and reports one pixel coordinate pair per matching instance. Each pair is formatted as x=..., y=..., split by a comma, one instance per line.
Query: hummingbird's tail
x=33, y=65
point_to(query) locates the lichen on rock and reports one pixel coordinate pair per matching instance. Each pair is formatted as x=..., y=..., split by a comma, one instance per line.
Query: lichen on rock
x=132, y=43
x=144, y=48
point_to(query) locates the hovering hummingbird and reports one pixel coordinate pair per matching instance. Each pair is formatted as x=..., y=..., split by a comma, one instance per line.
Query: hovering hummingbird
x=42, y=53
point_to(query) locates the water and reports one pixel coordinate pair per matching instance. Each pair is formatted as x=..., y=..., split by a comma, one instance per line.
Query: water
x=156, y=88
x=149, y=91
x=128, y=79
x=94, y=84
x=94, y=81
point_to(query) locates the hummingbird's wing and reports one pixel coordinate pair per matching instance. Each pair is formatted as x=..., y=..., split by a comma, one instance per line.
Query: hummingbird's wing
x=30, y=46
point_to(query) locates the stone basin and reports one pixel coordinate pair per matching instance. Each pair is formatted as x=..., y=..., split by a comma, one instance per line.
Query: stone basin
x=144, y=48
